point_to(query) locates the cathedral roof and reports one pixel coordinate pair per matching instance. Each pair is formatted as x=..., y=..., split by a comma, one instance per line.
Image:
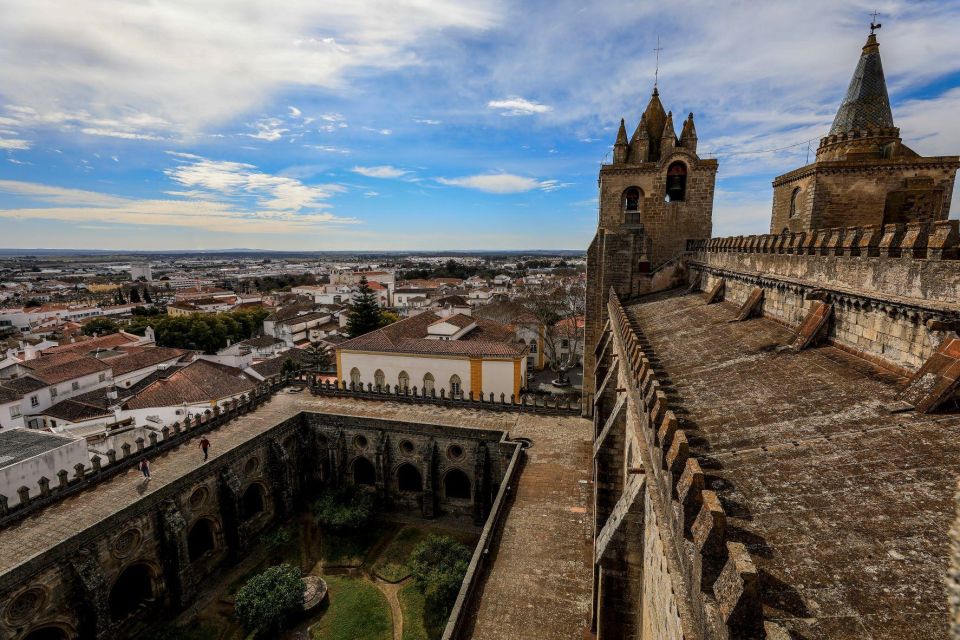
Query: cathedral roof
x=655, y=116
x=866, y=105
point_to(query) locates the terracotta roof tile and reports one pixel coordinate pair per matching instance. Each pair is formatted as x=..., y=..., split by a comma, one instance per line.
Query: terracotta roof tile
x=200, y=381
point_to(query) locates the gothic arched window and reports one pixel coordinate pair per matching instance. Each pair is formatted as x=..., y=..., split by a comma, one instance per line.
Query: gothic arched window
x=428, y=384
x=379, y=380
x=676, y=182
x=403, y=380
x=355, y=376
x=456, y=387
x=793, y=202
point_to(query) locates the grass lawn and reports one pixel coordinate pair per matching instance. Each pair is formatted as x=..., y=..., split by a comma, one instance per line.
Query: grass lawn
x=392, y=563
x=412, y=604
x=356, y=610
x=350, y=550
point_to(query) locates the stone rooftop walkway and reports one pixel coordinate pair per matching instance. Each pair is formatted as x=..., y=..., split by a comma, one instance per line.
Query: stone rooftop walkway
x=539, y=587
x=845, y=506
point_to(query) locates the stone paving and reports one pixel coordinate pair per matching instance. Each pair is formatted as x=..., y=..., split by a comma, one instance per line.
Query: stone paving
x=844, y=503
x=538, y=588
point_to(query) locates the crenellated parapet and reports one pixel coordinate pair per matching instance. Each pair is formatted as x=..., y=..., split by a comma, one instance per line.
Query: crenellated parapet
x=916, y=240
x=718, y=574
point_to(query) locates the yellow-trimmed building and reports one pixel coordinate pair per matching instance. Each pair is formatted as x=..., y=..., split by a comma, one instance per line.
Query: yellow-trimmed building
x=435, y=350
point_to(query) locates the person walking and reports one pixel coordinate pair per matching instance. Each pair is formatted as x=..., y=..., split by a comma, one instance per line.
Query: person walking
x=145, y=468
x=205, y=446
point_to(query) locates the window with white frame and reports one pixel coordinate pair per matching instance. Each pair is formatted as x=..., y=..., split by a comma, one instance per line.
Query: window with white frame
x=34, y=401
x=15, y=411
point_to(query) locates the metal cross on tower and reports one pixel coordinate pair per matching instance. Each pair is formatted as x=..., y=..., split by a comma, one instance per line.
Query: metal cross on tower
x=874, y=25
x=656, y=72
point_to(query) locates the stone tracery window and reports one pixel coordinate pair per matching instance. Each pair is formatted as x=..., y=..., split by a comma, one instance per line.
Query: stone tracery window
x=428, y=384
x=456, y=387
x=404, y=381
x=379, y=380
x=355, y=376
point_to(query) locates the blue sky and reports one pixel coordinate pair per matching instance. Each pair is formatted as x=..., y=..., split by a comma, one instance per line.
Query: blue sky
x=417, y=124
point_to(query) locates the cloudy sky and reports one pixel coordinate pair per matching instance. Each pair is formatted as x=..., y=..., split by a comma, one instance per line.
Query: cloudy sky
x=417, y=124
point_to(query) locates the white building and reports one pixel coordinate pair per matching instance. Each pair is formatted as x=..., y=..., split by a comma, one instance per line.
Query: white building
x=141, y=270
x=437, y=350
x=28, y=455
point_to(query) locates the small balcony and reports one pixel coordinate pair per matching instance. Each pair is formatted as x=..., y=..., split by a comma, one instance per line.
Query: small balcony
x=632, y=219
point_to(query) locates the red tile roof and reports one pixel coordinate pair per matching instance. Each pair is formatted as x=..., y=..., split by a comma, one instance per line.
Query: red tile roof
x=200, y=381
x=409, y=336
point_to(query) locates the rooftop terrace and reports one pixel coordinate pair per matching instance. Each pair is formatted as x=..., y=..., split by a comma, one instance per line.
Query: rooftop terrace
x=844, y=504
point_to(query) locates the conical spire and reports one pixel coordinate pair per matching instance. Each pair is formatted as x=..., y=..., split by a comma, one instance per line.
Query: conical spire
x=688, y=136
x=621, y=145
x=668, y=131
x=655, y=116
x=639, y=142
x=866, y=105
x=622, y=133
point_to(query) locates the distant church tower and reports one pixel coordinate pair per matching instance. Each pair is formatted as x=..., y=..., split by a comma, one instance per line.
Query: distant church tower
x=863, y=173
x=655, y=197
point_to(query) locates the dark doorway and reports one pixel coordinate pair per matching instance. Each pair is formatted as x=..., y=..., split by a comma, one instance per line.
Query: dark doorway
x=200, y=539
x=253, y=502
x=363, y=472
x=408, y=478
x=456, y=485
x=133, y=588
x=48, y=633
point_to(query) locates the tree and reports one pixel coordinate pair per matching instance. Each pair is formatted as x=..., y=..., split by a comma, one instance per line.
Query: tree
x=438, y=565
x=319, y=358
x=267, y=602
x=559, y=309
x=345, y=509
x=134, y=296
x=365, y=314
x=100, y=327
x=388, y=317
x=289, y=366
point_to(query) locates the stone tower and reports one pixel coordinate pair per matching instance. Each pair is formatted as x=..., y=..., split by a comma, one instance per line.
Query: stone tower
x=863, y=173
x=655, y=197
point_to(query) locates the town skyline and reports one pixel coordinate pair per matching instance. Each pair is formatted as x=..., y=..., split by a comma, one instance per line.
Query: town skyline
x=413, y=128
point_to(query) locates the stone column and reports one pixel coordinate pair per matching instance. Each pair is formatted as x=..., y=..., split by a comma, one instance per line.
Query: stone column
x=175, y=555
x=281, y=469
x=429, y=495
x=229, y=487
x=480, y=487
x=91, y=596
x=382, y=466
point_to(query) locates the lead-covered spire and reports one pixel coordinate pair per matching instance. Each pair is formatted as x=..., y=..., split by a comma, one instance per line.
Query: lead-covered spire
x=867, y=104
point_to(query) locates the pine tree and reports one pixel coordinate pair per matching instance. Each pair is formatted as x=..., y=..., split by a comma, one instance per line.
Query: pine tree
x=134, y=295
x=364, y=312
x=146, y=296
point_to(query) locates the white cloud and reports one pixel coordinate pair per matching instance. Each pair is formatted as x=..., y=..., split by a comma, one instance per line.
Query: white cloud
x=80, y=206
x=296, y=113
x=269, y=129
x=426, y=121
x=516, y=106
x=14, y=144
x=236, y=180
x=383, y=132
x=501, y=183
x=326, y=148
x=171, y=59
x=382, y=171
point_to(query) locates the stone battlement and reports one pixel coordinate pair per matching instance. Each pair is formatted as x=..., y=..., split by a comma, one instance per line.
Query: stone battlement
x=919, y=240
x=722, y=579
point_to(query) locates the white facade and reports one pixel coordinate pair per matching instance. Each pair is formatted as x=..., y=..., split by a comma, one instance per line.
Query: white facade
x=26, y=473
x=141, y=270
x=498, y=376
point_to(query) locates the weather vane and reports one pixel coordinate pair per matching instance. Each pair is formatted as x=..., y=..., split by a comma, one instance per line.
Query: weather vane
x=874, y=25
x=656, y=72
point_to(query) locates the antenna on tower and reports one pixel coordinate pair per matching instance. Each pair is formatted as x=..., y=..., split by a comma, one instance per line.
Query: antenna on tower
x=874, y=25
x=656, y=72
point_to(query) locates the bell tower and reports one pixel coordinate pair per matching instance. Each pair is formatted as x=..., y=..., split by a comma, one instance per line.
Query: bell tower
x=655, y=197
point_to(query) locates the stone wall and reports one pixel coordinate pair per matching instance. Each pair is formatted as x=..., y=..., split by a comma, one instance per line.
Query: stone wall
x=151, y=556
x=864, y=192
x=892, y=290
x=664, y=567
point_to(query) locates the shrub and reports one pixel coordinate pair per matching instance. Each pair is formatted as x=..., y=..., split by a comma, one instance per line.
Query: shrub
x=438, y=565
x=268, y=600
x=344, y=509
x=277, y=540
